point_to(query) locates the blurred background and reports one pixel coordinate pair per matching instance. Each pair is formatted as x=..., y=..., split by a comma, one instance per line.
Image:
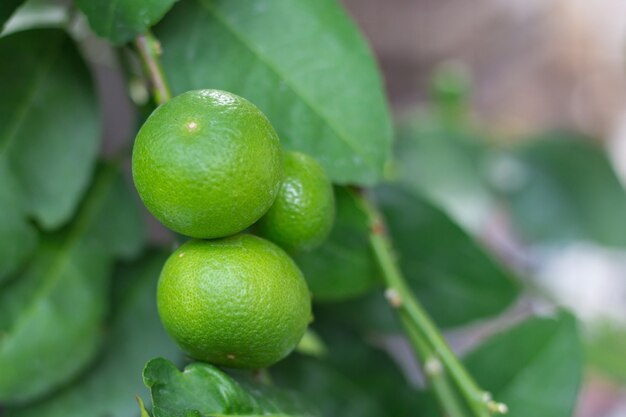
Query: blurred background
x=522, y=79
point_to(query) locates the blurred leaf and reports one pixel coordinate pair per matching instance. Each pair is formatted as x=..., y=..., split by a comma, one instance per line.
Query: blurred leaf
x=121, y=20
x=563, y=188
x=51, y=315
x=7, y=7
x=535, y=368
x=302, y=62
x=454, y=278
x=203, y=390
x=343, y=266
x=445, y=163
x=605, y=349
x=19, y=237
x=136, y=336
x=38, y=14
x=49, y=123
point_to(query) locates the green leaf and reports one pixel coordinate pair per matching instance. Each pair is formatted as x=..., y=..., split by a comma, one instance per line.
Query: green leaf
x=49, y=123
x=302, y=62
x=19, y=237
x=7, y=7
x=331, y=392
x=455, y=279
x=51, y=315
x=605, y=347
x=446, y=163
x=565, y=189
x=121, y=20
x=202, y=390
x=534, y=368
x=343, y=266
x=136, y=336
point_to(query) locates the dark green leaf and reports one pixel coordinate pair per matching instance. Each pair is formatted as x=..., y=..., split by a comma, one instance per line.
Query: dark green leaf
x=51, y=316
x=535, y=368
x=357, y=376
x=137, y=335
x=49, y=122
x=7, y=7
x=19, y=237
x=343, y=266
x=121, y=20
x=331, y=392
x=566, y=189
x=202, y=390
x=302, y=62
x=451, y=274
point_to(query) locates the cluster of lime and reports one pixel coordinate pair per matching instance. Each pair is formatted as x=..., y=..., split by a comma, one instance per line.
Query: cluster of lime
x=209, y=165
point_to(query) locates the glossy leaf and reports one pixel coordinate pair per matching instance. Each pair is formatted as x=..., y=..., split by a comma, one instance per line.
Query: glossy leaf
x=565, y=189
x=535, y=368
x=302, y=62
x=7, y=7
x=49, y=122
x=121, y=20
x=454, y=278
x=203, y=390
x=343, y=266
x=51, y=315
x=135, y=337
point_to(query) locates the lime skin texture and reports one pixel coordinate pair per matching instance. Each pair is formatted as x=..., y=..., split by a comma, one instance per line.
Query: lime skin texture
x=303, y=213
x=207, y=164
x=239, y=301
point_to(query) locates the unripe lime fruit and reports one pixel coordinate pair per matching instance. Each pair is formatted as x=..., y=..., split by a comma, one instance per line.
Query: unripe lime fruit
x=239, y=301
x=207, y=163
x=304, y=210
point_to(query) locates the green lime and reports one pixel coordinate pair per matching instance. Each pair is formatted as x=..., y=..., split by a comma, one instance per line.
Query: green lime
x=239, y=301
x=304, y=210
x=207, y=163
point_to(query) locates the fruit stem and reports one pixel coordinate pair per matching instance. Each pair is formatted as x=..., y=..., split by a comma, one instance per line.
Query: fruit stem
x=149, y=49
x=419, y=326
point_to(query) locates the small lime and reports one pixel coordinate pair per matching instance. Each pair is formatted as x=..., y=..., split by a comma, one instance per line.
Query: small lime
x=207, y=163
x=239, y=301
x=304, y=210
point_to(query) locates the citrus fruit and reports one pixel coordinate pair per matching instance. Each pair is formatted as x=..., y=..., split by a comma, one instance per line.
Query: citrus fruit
x=207, y=163
x=239, y=301
x=304, y=210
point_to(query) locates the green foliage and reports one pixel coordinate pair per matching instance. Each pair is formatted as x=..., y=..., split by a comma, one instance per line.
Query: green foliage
x=49, y=150
x=453, y=276
x=7, y=7
x=203, y=390
x=605, y=349
x=535, y=367
x=121, y=20
x=348, y=269
x=302, y=63
x=136, y=336
x=51, y=315
x=47, y=153
x=564, y=188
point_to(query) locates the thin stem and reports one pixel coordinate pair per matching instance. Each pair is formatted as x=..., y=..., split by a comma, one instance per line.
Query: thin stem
x=149, y=50
x=433, y=370
x=402, y=299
